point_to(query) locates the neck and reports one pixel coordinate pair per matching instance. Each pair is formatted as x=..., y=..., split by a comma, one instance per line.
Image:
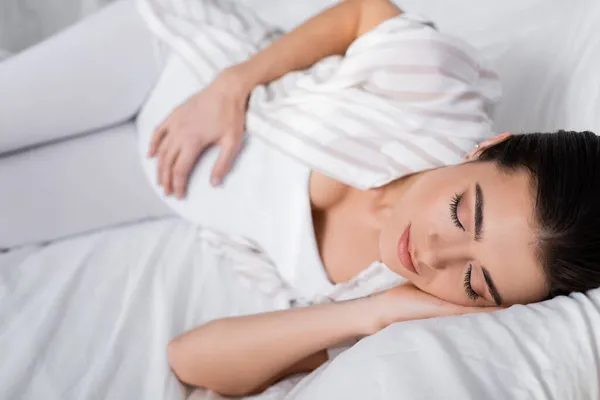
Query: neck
x=380, y=201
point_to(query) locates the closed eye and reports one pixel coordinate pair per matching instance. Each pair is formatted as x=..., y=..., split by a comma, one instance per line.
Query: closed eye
x=471, y=294
x=454, y=210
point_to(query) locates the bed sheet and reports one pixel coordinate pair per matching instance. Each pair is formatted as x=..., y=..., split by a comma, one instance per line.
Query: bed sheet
x=90, y=317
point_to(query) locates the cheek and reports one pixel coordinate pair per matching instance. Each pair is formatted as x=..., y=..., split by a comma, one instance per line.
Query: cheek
x=428, y=205
x=447, y=286
x=431, y=187
x=424, y=206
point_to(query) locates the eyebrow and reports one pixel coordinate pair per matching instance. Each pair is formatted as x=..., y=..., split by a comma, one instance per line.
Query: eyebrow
x=478, y=237
x=492, y=287
x=478, y=212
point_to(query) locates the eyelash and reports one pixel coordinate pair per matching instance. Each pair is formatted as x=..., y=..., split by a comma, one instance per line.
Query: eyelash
x=454, y=210
x=468, y=288
x=454, y=215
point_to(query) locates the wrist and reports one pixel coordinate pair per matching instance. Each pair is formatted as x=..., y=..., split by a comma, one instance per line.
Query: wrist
x=366, y=316
x=381, y=312
x=243, y=76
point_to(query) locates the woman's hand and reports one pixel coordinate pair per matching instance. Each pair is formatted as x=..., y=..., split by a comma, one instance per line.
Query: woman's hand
x=215, y=115
x=406, y=302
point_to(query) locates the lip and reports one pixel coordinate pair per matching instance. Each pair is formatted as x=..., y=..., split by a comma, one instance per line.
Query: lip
x=404, y=251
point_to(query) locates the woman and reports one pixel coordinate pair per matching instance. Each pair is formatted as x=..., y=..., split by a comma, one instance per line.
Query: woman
x=482, y=234
x=510, y=227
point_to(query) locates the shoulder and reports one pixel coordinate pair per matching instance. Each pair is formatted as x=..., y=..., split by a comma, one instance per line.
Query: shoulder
x=374, y=12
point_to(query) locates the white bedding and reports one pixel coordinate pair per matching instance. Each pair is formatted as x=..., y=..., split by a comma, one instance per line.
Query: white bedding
x=546, y=351
x=89, y=317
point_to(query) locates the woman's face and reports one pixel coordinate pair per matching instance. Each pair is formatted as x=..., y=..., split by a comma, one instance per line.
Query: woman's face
x=470, y=236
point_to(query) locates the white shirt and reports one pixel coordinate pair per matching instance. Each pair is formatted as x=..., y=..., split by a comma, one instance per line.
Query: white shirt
x=404, y=98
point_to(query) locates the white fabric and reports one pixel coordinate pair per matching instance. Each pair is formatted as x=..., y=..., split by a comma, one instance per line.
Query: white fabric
x=90, y=317
x=66, y=88
x=404, y=98
x=69, y=188
x=78, y=81
x=546, y=52
x=555, y=344
x=265, y=189
x=365, y=119
x=546, y=351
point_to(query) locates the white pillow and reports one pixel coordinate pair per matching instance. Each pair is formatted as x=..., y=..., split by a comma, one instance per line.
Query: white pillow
x=543, y=351
x=547, y=53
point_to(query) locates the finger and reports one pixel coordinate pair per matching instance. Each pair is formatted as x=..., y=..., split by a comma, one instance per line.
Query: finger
x=183, y=168
x=471, y=155
x=161, y=154
x=222, y=166
x=157, y=137
x=169, y=161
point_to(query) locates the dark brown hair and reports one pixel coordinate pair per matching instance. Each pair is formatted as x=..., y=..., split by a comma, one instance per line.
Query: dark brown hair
x=565, y=171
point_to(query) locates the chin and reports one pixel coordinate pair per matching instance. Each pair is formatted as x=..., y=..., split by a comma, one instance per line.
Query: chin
x=399, y=270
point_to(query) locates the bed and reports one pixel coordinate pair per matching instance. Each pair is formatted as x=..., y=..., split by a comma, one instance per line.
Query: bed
x=136, y=282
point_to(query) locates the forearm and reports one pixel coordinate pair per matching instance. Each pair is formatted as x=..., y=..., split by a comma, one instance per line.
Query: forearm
x=236, y=356
x=326, y=34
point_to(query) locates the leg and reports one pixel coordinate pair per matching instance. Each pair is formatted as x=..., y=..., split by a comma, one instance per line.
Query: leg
x=91, y=76
x=78, y=185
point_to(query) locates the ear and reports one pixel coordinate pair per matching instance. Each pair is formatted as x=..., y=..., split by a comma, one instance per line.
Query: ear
x=486, y=144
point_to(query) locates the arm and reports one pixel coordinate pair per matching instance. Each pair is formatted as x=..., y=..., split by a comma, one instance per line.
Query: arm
x=216, y=115
x=242, y=355
x=328, y=33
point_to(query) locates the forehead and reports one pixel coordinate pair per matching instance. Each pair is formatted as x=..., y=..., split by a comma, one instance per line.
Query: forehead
x=509, y=246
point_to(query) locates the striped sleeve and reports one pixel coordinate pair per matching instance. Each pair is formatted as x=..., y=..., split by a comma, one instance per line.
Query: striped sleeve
x=403, y=99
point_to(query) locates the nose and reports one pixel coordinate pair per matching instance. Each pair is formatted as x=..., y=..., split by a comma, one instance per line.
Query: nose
x=439, y=253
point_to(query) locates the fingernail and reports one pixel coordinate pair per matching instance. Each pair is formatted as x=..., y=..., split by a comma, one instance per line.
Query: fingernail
x=215, y=181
